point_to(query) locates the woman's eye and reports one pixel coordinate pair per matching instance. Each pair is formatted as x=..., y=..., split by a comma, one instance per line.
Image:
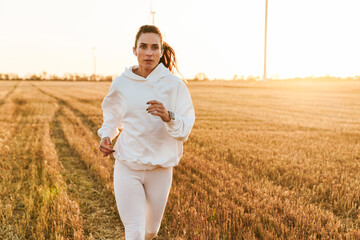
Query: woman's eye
x=155, y=48
x=143, y=46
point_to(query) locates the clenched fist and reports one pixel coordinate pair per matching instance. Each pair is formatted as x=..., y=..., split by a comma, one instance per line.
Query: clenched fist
x=105, y=146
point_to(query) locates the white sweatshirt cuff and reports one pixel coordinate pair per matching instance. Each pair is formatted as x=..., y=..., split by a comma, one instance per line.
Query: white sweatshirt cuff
x=173, y=123
x=175, y=128
x=106, y=133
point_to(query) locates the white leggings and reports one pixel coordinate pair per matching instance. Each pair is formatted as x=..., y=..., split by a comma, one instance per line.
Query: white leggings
x=141, y=197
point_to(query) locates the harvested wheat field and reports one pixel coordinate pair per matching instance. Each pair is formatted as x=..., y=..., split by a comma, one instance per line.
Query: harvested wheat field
x=276, y=160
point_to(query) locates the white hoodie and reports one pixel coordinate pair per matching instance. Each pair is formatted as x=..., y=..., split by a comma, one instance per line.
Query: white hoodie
x=147, y=142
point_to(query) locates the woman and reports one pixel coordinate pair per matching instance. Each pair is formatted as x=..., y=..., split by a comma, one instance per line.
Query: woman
x=154, y=109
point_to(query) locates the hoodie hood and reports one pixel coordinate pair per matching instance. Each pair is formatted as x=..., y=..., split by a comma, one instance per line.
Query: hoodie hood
x=159, y=72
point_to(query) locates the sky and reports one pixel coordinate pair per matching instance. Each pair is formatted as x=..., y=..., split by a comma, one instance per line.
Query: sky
x=218, y=38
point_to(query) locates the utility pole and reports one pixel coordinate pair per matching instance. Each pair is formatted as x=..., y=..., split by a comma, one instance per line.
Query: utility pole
x=152, y=13
x=153, y=17
x=94, y=63
x=266, y=10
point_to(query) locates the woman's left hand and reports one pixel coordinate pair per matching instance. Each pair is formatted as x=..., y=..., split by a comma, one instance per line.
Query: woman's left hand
x=157, y=108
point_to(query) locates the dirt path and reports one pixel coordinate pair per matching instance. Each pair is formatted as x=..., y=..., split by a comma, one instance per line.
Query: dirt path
x=2, y=101
x=97, y=205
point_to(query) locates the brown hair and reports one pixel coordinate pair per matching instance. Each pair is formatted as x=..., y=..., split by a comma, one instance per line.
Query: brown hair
x=168, y=58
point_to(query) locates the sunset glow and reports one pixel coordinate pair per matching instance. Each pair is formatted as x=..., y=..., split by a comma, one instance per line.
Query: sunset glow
x=218, y=38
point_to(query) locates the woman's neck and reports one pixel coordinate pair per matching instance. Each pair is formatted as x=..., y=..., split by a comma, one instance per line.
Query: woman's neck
x=142, y=71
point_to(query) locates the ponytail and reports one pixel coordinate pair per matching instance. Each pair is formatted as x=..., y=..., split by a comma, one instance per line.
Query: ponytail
x=168, y=59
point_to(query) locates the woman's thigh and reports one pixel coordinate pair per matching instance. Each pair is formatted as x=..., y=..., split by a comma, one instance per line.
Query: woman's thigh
x=130, y=198
x=157, y=184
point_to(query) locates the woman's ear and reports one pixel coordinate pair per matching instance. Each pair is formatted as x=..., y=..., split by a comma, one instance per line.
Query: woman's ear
x=134, y=51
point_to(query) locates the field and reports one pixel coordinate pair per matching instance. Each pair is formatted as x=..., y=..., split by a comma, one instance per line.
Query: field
x=279, y=160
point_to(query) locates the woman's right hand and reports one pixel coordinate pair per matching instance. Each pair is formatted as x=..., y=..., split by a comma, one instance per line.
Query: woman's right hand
x=105, y=146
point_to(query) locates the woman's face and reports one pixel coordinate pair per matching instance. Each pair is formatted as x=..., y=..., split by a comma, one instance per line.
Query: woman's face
x=148, y=50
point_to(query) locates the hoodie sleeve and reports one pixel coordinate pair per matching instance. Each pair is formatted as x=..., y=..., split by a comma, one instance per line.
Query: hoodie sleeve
x=180, y=128
x=111, y=106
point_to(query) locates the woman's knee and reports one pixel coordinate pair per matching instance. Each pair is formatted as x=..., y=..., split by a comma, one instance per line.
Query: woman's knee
x=150, y=235
x=134, y=233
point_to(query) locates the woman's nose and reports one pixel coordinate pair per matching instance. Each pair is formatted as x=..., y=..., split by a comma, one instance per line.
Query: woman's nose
x=149, y=52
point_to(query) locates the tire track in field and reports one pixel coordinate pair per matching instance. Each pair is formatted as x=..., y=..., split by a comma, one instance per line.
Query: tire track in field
x=97, y=205
x=86, y=121
x=16, y=179
x=2, y=101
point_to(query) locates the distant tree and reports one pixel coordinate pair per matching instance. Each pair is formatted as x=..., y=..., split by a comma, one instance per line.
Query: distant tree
x=250, y=78
x=71, y=77
x=253, y=78
x=104, y=78
x=77, y=77
x=238, y=78
x=93, y=77
x=13, y=76
x=34, y=77
x=54, y=77
x=43, y=75
x=201, y=77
